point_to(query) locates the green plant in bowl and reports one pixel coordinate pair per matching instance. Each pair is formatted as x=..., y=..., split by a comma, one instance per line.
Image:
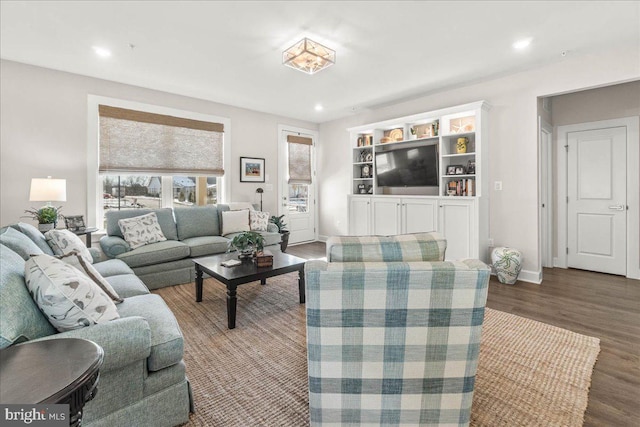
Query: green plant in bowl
x=45, y=215
x=246, y=243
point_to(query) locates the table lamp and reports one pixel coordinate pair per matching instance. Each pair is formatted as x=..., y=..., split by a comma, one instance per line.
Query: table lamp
x=48, y=190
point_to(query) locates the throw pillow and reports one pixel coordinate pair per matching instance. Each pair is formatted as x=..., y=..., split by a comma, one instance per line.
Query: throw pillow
x=258, y=221
x=141, y=230
x=76, y=260
x=19, y=243
x=68, y=298
x=235, y=221
x=63, y=242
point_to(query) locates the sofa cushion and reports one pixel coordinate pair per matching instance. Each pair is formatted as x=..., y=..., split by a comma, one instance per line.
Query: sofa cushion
x=19, y=243
x=235, y=221
x=64, y=242
x=258, y=221
x=77, y=261
x=20, y=318
x=127, y=285
x=197, y=221
x=141, y=230
x=35, y=235
x=68, y=298
x=155, y=253
x=167, y=345
x=207, y=245
x=112, y=267
x=164, y=215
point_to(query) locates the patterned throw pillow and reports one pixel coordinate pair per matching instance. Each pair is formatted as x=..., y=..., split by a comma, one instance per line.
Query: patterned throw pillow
x=64, y=242
x=68, y=298
x=141, y=230
x=235, y=221
x=76, y=260
x=258, y=221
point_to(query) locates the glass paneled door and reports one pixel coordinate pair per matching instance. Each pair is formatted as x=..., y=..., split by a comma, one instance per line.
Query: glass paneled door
x=297, y=186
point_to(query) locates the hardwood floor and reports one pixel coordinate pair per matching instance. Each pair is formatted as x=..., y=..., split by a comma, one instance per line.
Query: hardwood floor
x=594, y=304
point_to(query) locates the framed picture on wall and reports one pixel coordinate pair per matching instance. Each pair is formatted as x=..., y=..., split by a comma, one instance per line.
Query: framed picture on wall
x=251, y=169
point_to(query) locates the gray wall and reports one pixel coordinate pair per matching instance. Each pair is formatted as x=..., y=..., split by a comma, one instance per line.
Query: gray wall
x=43, y=113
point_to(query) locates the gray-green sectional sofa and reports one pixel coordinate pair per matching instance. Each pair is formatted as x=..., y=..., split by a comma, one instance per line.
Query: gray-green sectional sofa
x=191, y=232
x=142, y=381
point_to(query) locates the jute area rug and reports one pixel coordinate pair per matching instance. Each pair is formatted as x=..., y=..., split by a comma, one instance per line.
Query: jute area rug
x=530, y=373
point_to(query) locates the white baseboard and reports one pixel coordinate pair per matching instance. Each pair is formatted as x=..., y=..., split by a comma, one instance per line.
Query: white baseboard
x=322, y=238
x=530, y=276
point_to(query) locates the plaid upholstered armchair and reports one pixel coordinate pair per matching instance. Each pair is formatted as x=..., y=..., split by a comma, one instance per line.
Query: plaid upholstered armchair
x=393, y=332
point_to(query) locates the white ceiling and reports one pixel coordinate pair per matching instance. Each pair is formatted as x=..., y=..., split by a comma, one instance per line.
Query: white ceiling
x=231, y=52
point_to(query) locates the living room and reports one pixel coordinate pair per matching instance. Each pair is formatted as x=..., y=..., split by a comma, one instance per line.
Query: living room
x=46, y=125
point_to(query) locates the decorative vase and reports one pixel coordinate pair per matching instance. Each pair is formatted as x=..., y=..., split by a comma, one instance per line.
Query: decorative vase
x=285, y=241
x=46, y=227
x=507, y=263
x=461, y=145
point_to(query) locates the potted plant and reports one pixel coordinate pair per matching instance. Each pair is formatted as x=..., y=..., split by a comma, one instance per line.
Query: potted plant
x=47, y=217
x=246, y=243
x=413, y=130
x=282, y=229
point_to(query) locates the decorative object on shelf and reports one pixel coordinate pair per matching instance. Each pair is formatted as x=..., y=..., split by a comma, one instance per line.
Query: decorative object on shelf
x=471, y=167
x=308, y=56
x=246, y=243
x=459, y=170
x=461, y=145
x=451, y=169
x=363, y=155
x=507, y=263
x=362, y=189
x=282, y=229
x=368, y=157
x=370, y=189
x=396, y=135
x=434, y=128
x=368, y=139
x=463, y=124
x=47, y=190
x=451, y=192
x=260, y=190
x=413, y=132
x=385, y=139
x=360, y=141
x=365, y=172
x=251, y=169
x=74, y=222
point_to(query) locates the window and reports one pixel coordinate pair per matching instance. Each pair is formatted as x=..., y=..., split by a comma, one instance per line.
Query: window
x=146, y=159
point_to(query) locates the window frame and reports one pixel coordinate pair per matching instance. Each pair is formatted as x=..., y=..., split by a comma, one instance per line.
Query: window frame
x=95, y=211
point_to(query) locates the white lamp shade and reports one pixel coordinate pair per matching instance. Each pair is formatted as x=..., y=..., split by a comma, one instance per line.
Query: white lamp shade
x=48, y=190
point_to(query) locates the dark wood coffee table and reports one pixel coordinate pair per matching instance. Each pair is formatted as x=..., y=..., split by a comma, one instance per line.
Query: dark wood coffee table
x=246, y=272
x=62, y=371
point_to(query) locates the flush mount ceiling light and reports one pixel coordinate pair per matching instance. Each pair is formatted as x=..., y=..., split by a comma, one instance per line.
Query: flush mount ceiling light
x=101, y=51
x=521, y=44
x=308, y=56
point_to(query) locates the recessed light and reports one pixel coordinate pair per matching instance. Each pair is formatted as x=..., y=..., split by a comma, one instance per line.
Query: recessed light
x=319, y=107
x=521, y=44
x=101, y=51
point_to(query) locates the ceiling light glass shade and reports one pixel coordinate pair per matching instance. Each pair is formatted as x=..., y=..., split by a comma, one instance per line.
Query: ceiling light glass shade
x=309, y=56
x=48, y=190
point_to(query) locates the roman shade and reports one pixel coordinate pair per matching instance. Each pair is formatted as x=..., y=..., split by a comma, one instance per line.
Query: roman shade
x=141, y=142
x=299, y=159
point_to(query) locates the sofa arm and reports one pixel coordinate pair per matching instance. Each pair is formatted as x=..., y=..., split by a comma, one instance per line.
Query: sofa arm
x=95, y=254
x=113, y=246
x=124, y=340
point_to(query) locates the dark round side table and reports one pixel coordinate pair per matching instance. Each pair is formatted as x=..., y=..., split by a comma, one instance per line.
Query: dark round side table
x=62, y=371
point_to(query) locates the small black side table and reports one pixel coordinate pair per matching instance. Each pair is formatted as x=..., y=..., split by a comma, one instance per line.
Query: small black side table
x=63, y=371
x=87, y=231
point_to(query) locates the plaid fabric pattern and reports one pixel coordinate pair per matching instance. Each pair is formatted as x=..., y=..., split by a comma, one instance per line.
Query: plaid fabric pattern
x=393, y=343
x=404, y=247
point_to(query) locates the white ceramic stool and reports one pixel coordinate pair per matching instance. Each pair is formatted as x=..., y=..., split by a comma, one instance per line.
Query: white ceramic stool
x=507, y=263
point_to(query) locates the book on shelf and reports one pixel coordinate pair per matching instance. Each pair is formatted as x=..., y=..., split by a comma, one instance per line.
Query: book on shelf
x=462, y=187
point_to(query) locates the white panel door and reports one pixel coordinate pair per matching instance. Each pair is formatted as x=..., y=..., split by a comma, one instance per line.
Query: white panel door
x=456, y=224
x=419, y=215
x=597, y=206
x=359, y=216
x=385, y=216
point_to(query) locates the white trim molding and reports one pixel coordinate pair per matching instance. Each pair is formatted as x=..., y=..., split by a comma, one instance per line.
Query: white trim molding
x=633, y=184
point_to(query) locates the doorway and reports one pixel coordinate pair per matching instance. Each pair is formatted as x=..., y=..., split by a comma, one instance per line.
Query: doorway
x=297, y=186
x=596, y=202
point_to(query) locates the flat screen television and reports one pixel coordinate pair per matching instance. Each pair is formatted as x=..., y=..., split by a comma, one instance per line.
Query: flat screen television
x=408, y=167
